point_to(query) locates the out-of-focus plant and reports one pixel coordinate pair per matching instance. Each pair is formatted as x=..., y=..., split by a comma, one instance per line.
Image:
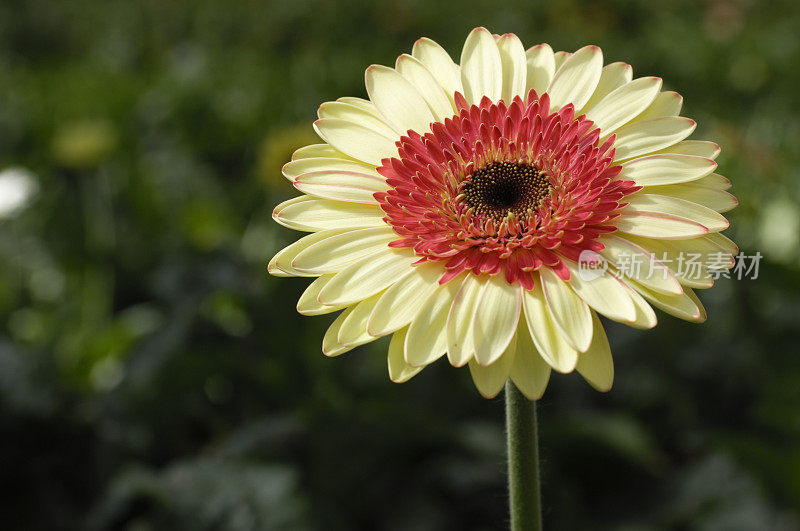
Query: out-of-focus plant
x=139, y=335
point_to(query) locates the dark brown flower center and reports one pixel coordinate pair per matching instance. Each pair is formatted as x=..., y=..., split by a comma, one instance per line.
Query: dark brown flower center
x=502, y=188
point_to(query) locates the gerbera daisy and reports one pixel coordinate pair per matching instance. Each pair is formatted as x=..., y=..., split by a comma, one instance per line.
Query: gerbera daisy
x=452, y=208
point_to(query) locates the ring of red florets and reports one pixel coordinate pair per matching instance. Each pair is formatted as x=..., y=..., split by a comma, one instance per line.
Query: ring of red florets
x=504, y=188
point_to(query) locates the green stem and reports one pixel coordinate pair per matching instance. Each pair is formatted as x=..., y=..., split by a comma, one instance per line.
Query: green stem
x=524, y=501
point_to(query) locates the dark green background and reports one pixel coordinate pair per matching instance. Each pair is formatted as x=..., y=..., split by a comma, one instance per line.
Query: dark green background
x=152, y=376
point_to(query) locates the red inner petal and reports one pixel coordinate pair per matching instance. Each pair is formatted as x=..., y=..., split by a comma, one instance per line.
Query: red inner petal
x=425, y=209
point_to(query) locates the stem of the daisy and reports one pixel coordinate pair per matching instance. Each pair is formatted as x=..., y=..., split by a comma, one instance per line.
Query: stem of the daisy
x=524, y=502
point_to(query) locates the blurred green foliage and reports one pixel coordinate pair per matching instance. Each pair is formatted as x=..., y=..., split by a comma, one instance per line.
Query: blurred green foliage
x=152, y=376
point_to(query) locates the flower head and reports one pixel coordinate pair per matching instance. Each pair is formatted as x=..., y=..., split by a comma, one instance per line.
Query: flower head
x=460, y=207
x=501, y=186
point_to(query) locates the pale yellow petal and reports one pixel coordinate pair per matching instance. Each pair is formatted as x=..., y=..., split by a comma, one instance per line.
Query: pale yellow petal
x=645, y=316
x=570, y=312
x=401, y=303
x=490, y=379
x=642, y=202
x=724, y=243
x=366, y=277
x=559, y=58
x=350, y=187
x=357, y=115
x=712, y=196
x=399, y=370
x=283, y=259
x=398, y=101
x=353, y=330
x=549, y=340
x=440, y=64
x=427, y=336
x=294, y=169
x=541, y=68
x=698, y=148
x=337, y=252
x=529, y=372
x=355, y=140
x=515, y=68
x=658, y=225
x=496, y=317
x=360, y=103
x=481, y=67
x=665, y=104
x=330, y=341
x=604, y=293
x=714, y=180
x=427, y=85
x=685, y=306
x=577, y=78
x=622, y=104
x=638, y=263
x=308, y=213
x=319, y=151
x=461, y=320
x=596, y=364
x=687, y=259
x=666, y=169
x=308, y=303
x=640, y=138
x=613, y=76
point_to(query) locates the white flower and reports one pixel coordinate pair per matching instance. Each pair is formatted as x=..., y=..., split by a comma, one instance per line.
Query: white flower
x=18, y=187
